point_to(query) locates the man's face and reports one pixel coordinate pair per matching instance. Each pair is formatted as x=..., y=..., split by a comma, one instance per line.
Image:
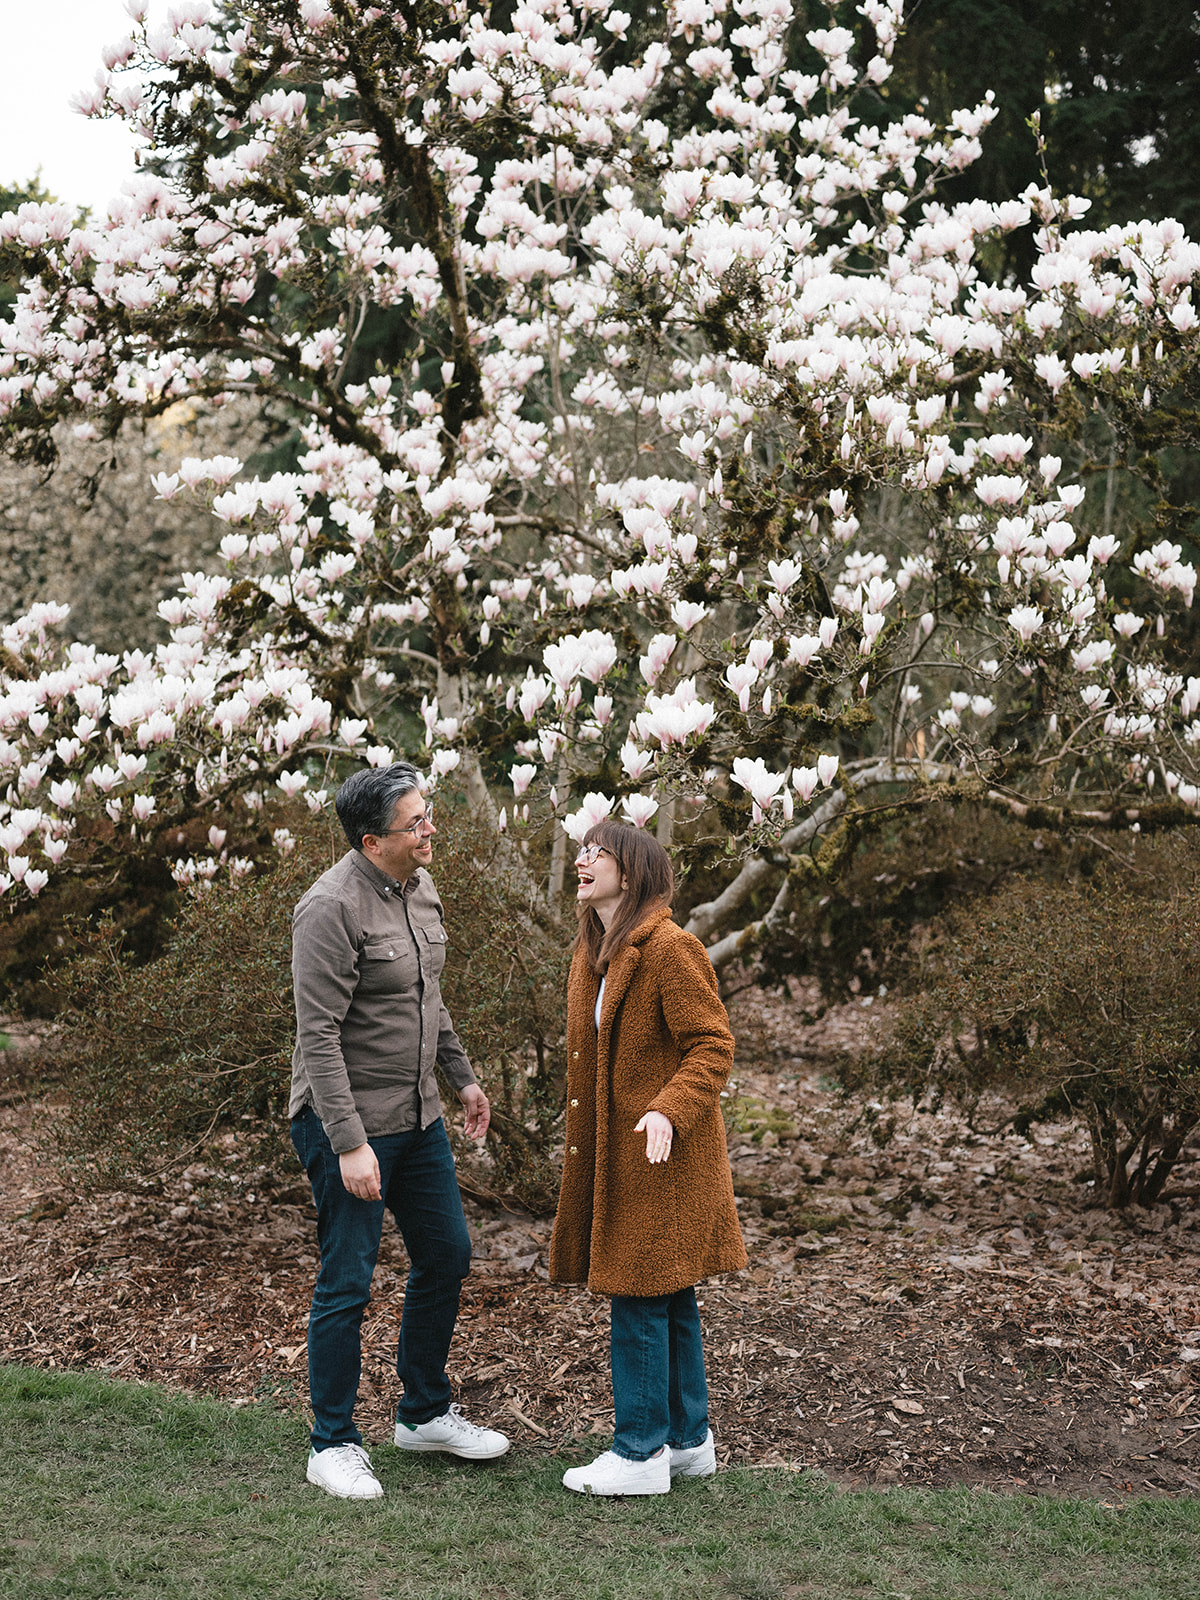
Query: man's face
x=398, y=853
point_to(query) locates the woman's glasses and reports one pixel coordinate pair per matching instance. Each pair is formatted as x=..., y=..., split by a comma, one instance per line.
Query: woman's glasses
x=589, y=853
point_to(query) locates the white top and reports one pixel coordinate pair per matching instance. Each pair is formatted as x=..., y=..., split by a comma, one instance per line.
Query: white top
x=599, y=1003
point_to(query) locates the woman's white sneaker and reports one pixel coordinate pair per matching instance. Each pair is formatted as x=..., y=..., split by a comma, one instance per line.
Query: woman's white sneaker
x=699, y=1462
x=344, y=1470
x=454, y=1436
x=613, y=1474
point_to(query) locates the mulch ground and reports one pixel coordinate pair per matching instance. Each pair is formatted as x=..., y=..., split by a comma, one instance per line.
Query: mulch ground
x=942, y=1310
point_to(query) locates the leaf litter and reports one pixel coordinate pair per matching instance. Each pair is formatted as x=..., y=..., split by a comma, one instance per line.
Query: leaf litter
x=942, y=1309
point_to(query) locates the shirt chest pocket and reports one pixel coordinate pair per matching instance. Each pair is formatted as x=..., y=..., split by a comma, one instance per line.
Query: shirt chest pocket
x=387, y=965
x=432, y=941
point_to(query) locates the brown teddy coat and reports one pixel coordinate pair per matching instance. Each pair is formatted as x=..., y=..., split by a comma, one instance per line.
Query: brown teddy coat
x=626, y=1226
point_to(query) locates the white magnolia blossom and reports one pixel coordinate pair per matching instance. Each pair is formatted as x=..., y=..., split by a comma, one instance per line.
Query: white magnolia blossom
x=754, y=776
x=639, y=808
x=595, y=808
x=535, y=536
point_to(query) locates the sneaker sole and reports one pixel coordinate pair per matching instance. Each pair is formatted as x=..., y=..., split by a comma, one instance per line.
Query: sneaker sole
x=616, y=1494
x=317, y=1483
x=423, y=1447
x=707, y=1470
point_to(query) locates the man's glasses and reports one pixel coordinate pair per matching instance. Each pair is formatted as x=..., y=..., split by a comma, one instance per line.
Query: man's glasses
x=414, y=827
x=589, y=853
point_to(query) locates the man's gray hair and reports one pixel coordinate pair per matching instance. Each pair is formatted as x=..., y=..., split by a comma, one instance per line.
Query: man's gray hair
x=366, y=801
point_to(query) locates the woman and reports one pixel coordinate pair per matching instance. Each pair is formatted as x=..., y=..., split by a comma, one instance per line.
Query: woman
x=646, y=1208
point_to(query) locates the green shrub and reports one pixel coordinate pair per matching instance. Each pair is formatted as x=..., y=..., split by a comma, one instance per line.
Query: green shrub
x=505, y=986
x=1075, y=1000
x=159, y=1057
x=867, y=927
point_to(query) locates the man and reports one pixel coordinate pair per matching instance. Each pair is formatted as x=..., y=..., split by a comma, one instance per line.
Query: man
x=368, y=946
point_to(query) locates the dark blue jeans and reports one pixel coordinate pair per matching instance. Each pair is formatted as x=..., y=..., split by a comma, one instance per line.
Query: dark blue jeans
x=660, y=1394
x=416, y=1175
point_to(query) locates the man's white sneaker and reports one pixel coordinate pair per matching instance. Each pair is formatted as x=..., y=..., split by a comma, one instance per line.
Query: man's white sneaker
x=613, y=1474
x=344, y=1470
x=454, y=1436
x=699, y=1462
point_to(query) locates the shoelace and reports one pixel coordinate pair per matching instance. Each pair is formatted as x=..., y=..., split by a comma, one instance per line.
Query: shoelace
x=356, y=1461
x=457, y=1420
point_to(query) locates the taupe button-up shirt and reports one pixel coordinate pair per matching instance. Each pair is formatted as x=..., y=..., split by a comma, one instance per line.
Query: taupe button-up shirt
x=367, y=953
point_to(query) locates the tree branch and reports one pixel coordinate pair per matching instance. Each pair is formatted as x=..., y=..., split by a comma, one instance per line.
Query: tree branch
x=707, y=918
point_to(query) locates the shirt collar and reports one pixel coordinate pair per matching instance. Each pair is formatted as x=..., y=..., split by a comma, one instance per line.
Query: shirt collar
x=382, y=882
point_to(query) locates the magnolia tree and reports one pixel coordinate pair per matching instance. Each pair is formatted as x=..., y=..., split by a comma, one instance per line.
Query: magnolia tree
x=667, y=450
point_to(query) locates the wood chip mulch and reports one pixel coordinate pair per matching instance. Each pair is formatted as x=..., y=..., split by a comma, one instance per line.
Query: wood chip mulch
x=942, y=1310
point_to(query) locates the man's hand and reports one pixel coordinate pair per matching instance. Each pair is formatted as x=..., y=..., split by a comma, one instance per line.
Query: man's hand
x=360, y=1172
x=659, y=1134
x=479, y=1113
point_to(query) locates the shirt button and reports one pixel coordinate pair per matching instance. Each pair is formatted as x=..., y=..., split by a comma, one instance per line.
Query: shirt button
x=574, y=1151
x=574, y=1102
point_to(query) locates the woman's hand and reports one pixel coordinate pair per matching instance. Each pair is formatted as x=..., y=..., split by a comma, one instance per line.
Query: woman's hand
x=659, y=1134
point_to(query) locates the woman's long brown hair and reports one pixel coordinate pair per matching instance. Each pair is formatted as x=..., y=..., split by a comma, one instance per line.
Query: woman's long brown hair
x=649, y=883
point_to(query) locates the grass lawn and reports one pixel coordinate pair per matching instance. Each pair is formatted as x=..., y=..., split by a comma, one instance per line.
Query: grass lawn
x=118, y=1489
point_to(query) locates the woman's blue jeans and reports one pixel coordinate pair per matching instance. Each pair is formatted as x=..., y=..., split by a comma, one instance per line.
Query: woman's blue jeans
x=416, y=1174
x=660, y=1394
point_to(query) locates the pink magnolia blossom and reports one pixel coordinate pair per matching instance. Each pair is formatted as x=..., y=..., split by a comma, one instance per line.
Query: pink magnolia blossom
x=754, y=776
x=635, y=761
x=639, y=808
x=1025, y=621
x=804, y=781
x=594, y=808
x=827, y=769
x=1126, y=623
x=741, y=676
x=539, y=466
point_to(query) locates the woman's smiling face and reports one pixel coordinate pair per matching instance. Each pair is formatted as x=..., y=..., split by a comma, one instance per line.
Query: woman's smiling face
x=601, y=884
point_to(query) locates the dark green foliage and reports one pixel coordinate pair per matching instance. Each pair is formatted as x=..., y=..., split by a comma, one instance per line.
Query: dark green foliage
x=110, y=873
x=1077, y=1001
x=1115, y=83
x=159, y=1058
x=505, y=987
x=867, y=927
x=11, y=197
x=35, y=939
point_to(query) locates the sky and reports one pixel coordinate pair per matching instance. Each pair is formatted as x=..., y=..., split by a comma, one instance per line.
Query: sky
x=52, y=49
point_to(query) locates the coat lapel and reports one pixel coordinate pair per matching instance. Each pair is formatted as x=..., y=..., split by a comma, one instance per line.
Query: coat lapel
x=616, y=985
x=620, y=975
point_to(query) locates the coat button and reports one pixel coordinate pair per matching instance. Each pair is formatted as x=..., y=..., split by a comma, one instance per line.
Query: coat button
x=574, y=1102
x=575, y=1055
x=573, y=1151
